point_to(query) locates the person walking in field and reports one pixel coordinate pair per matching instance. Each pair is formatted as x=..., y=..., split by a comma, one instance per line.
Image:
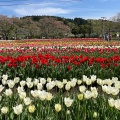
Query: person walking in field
x=117, y=35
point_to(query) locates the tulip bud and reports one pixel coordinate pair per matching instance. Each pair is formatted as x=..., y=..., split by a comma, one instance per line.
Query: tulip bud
x=95, y=114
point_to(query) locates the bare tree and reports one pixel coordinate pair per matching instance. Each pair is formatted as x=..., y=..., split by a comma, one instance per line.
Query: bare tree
x=116, y=20
x=17, y=26
x=51, y=27
x=6, y=26
x=31, y=28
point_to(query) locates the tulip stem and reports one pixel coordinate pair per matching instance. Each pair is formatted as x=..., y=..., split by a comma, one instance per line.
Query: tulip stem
x=66, y=116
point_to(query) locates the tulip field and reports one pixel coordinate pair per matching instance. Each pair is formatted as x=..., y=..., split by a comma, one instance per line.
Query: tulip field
x=60, y=79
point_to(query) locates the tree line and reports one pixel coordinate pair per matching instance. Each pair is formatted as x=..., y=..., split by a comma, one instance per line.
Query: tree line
x=55, y=27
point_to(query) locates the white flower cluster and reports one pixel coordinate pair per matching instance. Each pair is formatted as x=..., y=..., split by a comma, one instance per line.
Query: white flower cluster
x=37, y=85
x=110, y=86
x=114, y=103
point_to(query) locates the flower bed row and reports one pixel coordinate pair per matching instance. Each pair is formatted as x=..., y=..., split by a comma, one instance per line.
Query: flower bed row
x=58, y=51
x=59, y=66
x=58, y=42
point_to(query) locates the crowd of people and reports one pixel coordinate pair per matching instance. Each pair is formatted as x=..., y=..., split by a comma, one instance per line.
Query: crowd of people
x=108, y=36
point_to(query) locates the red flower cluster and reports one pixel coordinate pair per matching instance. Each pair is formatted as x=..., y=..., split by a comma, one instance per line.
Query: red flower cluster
x=47, y=59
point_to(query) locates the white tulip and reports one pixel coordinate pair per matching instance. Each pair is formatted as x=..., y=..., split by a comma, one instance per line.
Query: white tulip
x=115, y=91
x=94, y=92
x=50, y=85
x=85, y=78
x=68, y=86
x=27, y=101
x=4, y=110
x=49, y=96
x=88, y=94
x=93, y=88
x=49, y=79
x=20, y=89
x=5, y=77
x=109, y=82
x=34, y=93
x=60, y=85
x=89, y=82
x=4, y=82
x=22, y=83
x=73, y=82
x=29, y=84
x=93, y=78
x=94, y=95
x=8, y=92
x=35, y=82
x=42, y=80
x=68, y=102
x=29, y=79
x=64, y=81
x=109, y=90
x=16, y=79
x=117, y=84
x=82, y=88
x=79, y=82
x=10, y=83
x=39, y=86
x=22, y=95
x=42, y=95
x=99, y=81
x=18, y=109
x=114, y=79
x=117, y=104
x=56, y=82
x=104, y=88
x=1, y=88
x=106, y=81
x=111, y=102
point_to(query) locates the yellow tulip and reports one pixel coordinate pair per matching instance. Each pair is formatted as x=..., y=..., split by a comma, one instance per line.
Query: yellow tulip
x=80, y=96
x=57, y=107
x=31, y=108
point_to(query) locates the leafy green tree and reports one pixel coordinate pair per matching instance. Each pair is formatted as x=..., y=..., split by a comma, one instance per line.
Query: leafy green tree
x=84, y=30
x=75, y=30
x=80, y=21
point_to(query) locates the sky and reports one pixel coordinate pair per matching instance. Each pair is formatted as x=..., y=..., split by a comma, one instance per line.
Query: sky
x=86, y=9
